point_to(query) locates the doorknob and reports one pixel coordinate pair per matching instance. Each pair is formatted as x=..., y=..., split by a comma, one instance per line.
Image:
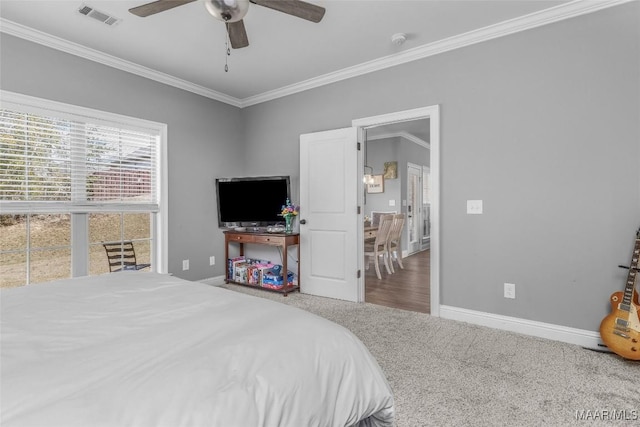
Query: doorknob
x=303, y=221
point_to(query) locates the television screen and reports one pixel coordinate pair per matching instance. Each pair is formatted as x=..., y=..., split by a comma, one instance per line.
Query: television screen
x=251, y=200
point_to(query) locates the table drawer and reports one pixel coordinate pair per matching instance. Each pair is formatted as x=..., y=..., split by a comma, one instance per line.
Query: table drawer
x=269, y=240
x=242, y=238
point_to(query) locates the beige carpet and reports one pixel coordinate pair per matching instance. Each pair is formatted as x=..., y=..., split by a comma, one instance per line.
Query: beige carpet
x=448, y=373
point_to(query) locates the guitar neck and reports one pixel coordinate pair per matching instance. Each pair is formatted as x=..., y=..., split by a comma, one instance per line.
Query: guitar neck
x=631, y=278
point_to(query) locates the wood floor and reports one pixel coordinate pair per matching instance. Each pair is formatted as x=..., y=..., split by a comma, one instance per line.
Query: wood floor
x=407, y=288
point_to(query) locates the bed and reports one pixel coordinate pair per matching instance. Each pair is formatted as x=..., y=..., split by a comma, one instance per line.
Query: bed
x=146, y=349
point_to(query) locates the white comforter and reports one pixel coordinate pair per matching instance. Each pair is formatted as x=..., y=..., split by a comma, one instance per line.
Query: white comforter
x=144, y=349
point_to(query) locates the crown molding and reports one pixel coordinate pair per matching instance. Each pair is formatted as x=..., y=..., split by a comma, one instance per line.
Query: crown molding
x=533, y=20
x=402, y=134
x=45, y=39
x=512, y=26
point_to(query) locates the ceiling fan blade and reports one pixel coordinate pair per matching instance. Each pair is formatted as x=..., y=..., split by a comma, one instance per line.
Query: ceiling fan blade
x=237, y=34
x=301, y=9
x=157, y=7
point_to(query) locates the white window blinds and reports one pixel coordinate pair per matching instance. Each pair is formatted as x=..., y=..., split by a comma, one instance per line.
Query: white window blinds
x=59, y=157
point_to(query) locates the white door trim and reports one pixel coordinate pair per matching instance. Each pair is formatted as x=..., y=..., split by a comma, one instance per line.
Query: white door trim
x=433, y=114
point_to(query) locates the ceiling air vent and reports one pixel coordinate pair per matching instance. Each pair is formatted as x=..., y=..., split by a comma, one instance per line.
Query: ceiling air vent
x=97, y=15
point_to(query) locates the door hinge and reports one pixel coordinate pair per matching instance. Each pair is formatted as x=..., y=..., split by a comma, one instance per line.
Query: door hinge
x=359, y=273
x=358, y=146
x=359, y=210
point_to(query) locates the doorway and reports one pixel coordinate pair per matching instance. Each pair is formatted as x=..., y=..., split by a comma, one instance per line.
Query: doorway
x=419, y=280
x=396, y=154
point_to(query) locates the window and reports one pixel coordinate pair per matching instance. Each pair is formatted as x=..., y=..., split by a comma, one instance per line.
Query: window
x=70, y=179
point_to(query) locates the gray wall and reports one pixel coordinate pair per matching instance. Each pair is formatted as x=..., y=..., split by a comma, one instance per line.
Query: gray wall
x=543, y=126
x=204, y=137
x=380, y=151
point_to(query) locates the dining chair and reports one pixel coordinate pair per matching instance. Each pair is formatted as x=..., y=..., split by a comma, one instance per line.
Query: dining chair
x=378, y=248
x=394, y=246
x=377, y=215
x=122, y=256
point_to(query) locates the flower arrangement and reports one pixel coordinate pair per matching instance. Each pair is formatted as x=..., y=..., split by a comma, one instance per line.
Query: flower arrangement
x=289, y=210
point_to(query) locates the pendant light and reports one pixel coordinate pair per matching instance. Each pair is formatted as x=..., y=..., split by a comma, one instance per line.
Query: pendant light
x=368, y=177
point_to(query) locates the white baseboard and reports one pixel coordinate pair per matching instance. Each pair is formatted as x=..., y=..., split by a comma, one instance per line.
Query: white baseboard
x=581, y=337
x=213, y=281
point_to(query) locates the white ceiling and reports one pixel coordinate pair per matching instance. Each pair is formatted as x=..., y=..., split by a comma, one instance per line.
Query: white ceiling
x=185, y=46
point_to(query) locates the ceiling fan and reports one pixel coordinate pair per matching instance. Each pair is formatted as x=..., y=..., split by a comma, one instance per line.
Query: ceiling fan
x=231, y=13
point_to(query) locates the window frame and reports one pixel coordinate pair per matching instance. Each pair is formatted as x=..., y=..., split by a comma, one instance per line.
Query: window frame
x=79, y=211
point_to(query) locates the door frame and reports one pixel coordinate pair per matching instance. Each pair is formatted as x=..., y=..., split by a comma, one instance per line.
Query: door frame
x=433, y=114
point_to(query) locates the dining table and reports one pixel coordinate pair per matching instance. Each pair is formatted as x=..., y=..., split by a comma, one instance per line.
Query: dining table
x=370, y=232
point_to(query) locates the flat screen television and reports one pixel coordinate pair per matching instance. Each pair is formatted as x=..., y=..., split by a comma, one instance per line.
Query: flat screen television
x=251, y=201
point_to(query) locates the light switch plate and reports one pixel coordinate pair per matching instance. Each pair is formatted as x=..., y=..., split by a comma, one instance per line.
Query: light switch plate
x=474, y=207
x=510, y=290
x=392, y=202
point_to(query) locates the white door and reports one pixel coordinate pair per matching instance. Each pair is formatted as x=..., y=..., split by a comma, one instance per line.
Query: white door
x=328, y=214
x=426, y=208
x=414, y=207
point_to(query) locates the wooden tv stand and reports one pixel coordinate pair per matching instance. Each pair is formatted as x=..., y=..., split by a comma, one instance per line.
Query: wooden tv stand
x=282, y=240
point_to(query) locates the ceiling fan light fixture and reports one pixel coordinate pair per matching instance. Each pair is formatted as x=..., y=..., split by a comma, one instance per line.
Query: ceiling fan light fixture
x=227, y=10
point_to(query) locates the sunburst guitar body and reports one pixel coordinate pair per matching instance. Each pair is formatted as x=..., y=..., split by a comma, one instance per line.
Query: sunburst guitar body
x=620, y=330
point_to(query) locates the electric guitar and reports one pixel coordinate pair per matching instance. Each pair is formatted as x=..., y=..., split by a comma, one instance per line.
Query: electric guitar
x=620, y=330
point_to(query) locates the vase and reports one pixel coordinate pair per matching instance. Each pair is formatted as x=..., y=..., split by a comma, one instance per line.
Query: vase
x=288, y=224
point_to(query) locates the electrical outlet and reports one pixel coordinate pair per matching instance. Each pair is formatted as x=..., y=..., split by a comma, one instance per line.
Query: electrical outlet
x=212, y=260
x=185, y=264
x=510, y=290
x=474, y=207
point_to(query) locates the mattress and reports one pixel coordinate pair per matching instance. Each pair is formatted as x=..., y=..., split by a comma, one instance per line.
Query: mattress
x=145, y=349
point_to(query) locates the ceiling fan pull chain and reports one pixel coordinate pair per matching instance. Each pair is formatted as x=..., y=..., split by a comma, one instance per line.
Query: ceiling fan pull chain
x=226, y=44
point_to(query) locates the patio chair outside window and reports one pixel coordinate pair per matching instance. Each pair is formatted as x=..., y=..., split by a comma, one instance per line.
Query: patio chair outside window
x=122, y=256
